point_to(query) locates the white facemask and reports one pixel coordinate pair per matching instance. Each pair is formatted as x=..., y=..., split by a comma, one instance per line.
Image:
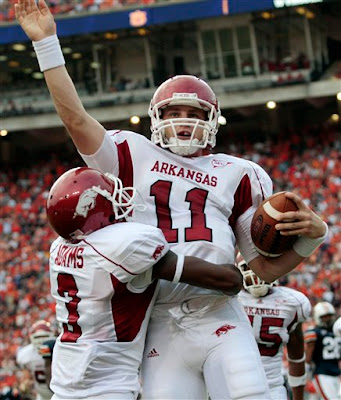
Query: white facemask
x=183, y=149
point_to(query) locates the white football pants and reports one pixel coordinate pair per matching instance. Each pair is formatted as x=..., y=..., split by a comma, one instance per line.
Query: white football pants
x=279, y=393
x=327, y=386
x=202, y=347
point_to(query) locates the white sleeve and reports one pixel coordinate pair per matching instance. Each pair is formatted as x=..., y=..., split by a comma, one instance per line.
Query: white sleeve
x=300, y=304
x=106, y=158
x=304, y=308
x=128, y=249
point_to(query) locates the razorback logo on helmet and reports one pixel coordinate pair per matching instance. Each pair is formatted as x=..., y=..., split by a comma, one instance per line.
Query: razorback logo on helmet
x=158, y=252
x=86, y=202
x=223, y=330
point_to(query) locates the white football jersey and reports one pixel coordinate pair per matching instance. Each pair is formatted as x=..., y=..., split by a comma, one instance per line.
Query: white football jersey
x=103, y=308
x=198, y=202
x=273, y=317
x=29, y=358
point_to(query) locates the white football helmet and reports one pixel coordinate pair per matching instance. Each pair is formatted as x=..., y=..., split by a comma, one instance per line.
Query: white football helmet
x=184, y=90
x=252, y=283
x=39, y=332
x=322, y=309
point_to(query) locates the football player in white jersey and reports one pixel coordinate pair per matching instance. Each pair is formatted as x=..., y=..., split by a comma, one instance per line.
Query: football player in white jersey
x=104, y=286
x=276, y=314
x=28, y=357
x=204, y=205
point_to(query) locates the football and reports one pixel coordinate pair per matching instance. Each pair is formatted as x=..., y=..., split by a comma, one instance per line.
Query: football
x=267, y=240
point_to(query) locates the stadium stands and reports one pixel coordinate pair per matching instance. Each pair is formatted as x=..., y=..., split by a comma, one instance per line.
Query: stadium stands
x=310, y=156
x=71, y=7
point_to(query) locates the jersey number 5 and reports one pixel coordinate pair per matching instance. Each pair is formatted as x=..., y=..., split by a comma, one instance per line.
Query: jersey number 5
x=268, y=343
x=67, y=286
x=196, y=198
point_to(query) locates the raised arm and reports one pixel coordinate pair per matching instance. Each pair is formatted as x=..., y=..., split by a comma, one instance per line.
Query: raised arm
x=312, y=231
x=197, y=272
x=39, y=25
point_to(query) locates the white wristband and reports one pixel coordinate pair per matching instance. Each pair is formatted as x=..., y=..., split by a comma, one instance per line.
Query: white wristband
x=179, y=268
x=297, y=360
x=49, y=53
x=295, y=381
x=305, y=246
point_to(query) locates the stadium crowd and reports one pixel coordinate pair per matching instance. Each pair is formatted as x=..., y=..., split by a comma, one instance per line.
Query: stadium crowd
x=71, y=7
x=305, y=162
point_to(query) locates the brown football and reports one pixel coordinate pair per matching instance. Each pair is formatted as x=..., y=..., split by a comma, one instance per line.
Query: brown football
x=267, y=240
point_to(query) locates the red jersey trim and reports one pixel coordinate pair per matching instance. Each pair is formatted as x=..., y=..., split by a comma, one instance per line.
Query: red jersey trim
x=242, y=200
x=129, y=309
x=125, y=163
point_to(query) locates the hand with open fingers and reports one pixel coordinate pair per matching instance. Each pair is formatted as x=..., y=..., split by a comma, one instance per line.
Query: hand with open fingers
x=36, y=20
x=303, y=222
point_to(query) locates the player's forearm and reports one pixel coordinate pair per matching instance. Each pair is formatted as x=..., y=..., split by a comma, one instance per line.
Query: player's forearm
x=84, y=130
x=197, y=272
x=270, y=269
x=224, y=277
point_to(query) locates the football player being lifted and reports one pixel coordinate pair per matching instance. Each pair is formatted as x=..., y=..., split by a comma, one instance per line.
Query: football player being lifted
x=202, y=202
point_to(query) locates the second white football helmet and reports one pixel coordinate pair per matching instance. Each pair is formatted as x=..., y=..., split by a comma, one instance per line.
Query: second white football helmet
x=252, y=283
x=322, y=309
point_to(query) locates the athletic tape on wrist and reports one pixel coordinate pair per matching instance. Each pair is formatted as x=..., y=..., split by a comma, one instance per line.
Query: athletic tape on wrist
x=295, y=381
x=49, y=53
x=297, y=360
x=305, y=246
x=179, y=268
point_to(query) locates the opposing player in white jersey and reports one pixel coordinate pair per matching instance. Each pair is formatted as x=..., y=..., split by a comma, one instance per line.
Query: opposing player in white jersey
x=276, y=314
x=204, y=205
x=104, y=286
x=28, y=357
